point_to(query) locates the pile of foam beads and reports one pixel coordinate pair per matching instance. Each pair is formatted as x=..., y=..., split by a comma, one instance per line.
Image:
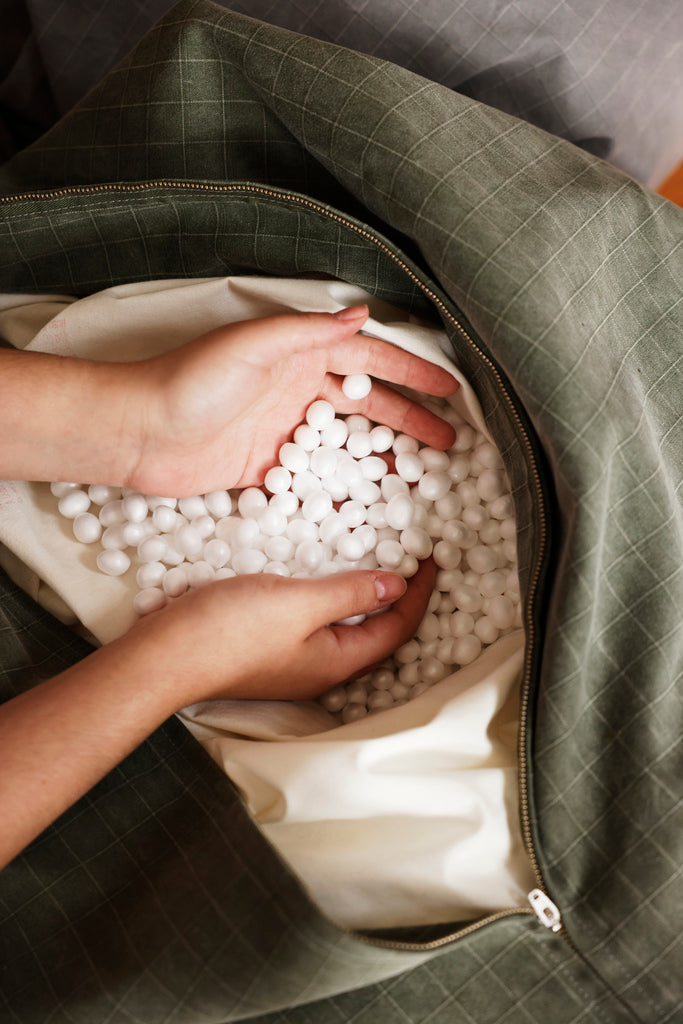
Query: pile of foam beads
x=346, y=494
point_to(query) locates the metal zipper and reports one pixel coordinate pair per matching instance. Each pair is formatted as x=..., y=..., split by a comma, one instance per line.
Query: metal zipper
x=540, y=903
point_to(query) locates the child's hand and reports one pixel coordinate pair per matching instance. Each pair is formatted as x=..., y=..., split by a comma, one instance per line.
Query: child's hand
x=218, y=409
x=270, y=637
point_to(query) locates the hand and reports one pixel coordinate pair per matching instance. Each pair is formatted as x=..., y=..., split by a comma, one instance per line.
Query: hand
x=218, y=409
x=270, y=637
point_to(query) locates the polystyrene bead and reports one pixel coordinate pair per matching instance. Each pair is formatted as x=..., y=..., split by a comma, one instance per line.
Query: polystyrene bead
x=87, y=528
x=133, y=533
x=404, y=443
x=148, y=600
x=446, y=604
x=335, y=435
x=332, y=527
x=501, y=611
x=447, y=580
x=392, y=484
x=458, y=468
x=356, y=421
x=352, y=620
x=491, y=584
x=279, y=549
x=353, y=712
x=508, y=529
x=502, y=507
x=399, y=512
x=294, y=457
x=409, y=674
x=444, y=651
x=373, y=468
x=204, y=525
x=172, y=556
x=188, y=540
x=351, y=547
x=400, y=692
x=334, y=700
x=356, y=386
x=448, y=507
x=134, y=508
x=300, y=530
x=486, y=630
x=348, y=470
x=61, y=487
x=113, y=562
x=244, y=534
x=150, y=574
x=491, y=484
x=200, y=573
x=467, y=599
x=218, y=503
x=306, y=437
x=154, y=500
x=324, y=461
x=474, y=516
x=359, y=444
x=380, y=700
x=466, y=649
x=226, y=573
x=368, y=535
x=409, y=466
x=434, y=485
x=353, y=513
x=277, y=480
x=163, y=517
x=251, y=501
x=462, y=624
x=100, y=494
x=377, y=515
x=112, y=538
x=456, y=532
x=446, y=556
x=271, y=522
x=320, y=414
x=382, y=438
x=432, y=670
x=310, y=555
x=316, y=506
x=389, y=554
x=481, y=558
x=428, y=628
x=287, y=503
x=275, y=568
x=216, y=553
x=434, y=460
x=73, y=503
x=365, y=491
x=248, y=561
x=174, y=582
x=418, y=688
x=410, y=651
x=464, y=438
x=305, y=483
x=467, y=492
x=193, y=506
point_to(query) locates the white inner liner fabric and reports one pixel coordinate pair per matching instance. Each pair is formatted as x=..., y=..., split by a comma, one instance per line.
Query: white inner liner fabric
x=406, y=817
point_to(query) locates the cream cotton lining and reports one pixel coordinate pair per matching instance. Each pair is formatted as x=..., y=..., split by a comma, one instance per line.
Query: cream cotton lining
x=409, y=816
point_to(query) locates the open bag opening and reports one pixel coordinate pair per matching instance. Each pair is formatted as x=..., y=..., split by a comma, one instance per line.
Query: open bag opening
x=407, y=816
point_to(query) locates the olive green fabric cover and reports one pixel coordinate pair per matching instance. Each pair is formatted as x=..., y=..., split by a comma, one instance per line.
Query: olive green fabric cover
x=236, y=147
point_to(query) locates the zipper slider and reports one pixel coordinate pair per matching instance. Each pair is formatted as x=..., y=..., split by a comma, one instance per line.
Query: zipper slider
x=545, y=910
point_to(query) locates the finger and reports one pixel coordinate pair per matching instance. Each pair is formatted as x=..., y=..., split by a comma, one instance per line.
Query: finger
x=332, y=598
x=384, y=405
x=385, y=361
x=266, y=341
x=350, y=649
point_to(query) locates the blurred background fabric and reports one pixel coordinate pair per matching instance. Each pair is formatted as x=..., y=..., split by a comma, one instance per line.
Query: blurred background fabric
x=605, y=74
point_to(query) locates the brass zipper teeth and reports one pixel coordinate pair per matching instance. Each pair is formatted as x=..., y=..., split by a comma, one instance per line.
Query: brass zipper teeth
x=541, y=550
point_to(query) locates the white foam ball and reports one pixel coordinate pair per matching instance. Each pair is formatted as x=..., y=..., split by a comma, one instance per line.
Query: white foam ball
x=389, y=554
x=462, y=624
x=409, y=466
x=324, y=461
x=456, y=532
x=399, y=512
x=409, y=674
x=416, y=542
x=448, y=507
x=404, y=443
x=216, y=553
x=192, y=506
x=277, y=480
x=113, y=562
x=466, y=649
x=174, y=582
x=306, y=437
x=368, y=536
x=204, y=525
x=356, y=421
x=353, y=513
x=434, y=459
x=271, y=522
x=501, y=611
x=380, y=700
x=316, y=506
x=163, y=517
x=464, y=438
x=356, y=386
x=154, y=500
x=353, y=712
x=335, y=435
x=492, y=583
x=351, y=547
x=151, y=599
x=334, y=700
x=491, y=484
x=467, y=598
x=73, y=503
x=382, y=438
x=365, y=491
x=61, y=487
x=305, y=483
x=373, y=468
x=433, y=485
x=250, y=501
x=150, y=574
x=458, y=468
x=481, y=559
x=359, y=444
x=446, y=556
x=377, y=515
x=244, y=534
x=188, y=540
x=392, y=484
x=337, y=489
x=502, y=507
x=407, y=652
x=475, y=516
x=134, y=508
x=172, y=556
x=294, y=457
x=300, y=530
x=100, y=494
x=310, y=555
x=485, y=629
x=218, y=503
x=112, y=539
x=200, y=574
x=275, y=568
x=432, y=670
x=320, y=414
x=133, y=533
x=248, y=561
x=87, y=528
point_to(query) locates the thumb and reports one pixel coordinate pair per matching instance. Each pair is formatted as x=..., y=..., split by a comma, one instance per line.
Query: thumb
x=332, y=598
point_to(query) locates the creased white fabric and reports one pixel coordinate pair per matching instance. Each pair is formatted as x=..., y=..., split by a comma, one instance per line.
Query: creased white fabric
x=405, y=817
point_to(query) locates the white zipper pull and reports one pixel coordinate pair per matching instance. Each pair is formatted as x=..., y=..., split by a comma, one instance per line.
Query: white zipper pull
x=545, y=910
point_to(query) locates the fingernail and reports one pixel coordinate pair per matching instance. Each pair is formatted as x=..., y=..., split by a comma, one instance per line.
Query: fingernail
x=352, y=313
x=389, y=586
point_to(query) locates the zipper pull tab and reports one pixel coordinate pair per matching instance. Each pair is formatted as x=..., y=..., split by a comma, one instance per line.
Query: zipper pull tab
x=545, y=910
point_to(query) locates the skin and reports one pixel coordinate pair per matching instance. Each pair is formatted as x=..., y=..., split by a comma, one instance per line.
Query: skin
x=210, y=415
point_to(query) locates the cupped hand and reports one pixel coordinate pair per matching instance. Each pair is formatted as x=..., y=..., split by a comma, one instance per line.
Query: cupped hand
x=218, y=409
x=271, y=637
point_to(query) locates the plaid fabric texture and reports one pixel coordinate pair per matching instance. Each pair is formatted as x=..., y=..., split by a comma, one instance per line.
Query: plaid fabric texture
x=155, y=899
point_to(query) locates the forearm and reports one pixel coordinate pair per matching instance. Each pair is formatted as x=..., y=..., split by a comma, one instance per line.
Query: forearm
x=60, y=738
x=67, y=419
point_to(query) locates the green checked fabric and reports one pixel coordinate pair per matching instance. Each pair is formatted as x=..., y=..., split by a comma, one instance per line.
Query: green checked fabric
x=224, y=145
